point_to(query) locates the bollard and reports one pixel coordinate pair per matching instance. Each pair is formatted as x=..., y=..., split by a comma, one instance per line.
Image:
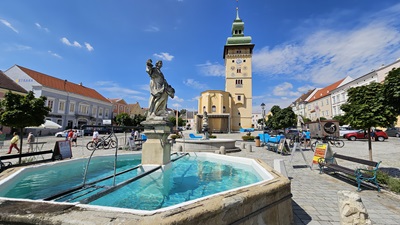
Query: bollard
x=279, y=165
x=180, y=148
x=222, y=150
x=250, y=148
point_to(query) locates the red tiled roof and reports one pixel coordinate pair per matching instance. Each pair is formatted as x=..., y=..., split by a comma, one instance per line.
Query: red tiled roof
x=303, y=97
x=117, y=100
x=325, y=91
x=63, y=85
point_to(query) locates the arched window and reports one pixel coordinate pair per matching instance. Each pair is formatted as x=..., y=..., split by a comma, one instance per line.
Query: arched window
x=213, y=108
x=204, y=108
x=223, y=109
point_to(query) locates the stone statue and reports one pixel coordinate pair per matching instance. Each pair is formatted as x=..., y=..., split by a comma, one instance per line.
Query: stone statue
x=159, y=91
x=205, y=126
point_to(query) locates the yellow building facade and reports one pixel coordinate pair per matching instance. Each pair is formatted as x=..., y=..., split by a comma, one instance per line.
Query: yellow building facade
x=231, y=110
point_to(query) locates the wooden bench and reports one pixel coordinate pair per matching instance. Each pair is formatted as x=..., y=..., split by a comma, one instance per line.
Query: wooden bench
x=360, y=174
x=4, y=165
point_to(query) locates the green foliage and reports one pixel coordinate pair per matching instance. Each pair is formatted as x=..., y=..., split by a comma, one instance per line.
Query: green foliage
x=137, y=119
x=22, y=111
x=181, y=122
x=392, y=183
x=248, y=138
x=124, y=119
x=366, y=107
x=340, y=119
x=281, y=118
x=391, y=89
x=175, y=136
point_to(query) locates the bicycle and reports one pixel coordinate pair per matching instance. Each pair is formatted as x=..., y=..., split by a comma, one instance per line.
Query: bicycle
x=102, y=143
x=331, y=139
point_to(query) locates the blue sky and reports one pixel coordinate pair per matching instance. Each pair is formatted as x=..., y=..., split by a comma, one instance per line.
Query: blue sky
x=104, y=44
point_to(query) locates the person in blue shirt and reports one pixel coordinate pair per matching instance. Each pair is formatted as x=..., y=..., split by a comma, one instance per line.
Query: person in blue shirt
x=307, y=137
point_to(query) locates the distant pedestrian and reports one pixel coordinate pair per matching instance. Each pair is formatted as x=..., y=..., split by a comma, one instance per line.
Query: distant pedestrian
x=13, y=143
x=30, y=140
x=74, y=138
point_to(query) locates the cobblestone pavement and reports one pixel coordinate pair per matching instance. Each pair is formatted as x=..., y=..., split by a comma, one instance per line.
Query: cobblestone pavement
x=314, y=194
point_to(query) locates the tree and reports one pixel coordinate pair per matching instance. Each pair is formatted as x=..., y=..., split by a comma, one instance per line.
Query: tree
x=124, y=119
x=367, y=107
x=340, y=119
x=281, y=118
x=391, y=89
x=137, y=119
x=21, y=111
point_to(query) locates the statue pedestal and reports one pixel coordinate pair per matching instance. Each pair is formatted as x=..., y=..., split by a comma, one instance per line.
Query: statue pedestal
x=156, y=150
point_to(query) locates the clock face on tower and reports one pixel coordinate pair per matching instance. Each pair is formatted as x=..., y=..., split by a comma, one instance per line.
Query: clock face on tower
x=239, y=61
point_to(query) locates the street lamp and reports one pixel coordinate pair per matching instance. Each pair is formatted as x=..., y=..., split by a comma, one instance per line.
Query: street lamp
x=263, y=115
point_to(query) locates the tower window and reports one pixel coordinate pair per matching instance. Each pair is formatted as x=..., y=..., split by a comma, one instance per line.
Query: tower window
x=204, y=108
x=239, y=98
x=239, y=82
x=233, y=60
x=244, y=60
x=213, y=108
x=239, y=70
x=223, y=109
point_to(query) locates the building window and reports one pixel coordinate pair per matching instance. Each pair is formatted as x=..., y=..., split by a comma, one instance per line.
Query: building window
x=213, y=108
x=61, y=106
x=239, y=82
x=94, y=111
x=204, y=108
x=327, y=101
x=71, y=107
x=223, y=109
x=322, y=103
x=233, y=60
x=84, y=109
x=106, y=114
x=343, y=97
x=333, y=99
x=239, y=70
x=50, y=104
x=100, y=112
x=239, y=98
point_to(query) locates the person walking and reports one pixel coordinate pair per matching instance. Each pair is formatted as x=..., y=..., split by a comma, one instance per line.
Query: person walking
x=14, y=142
x=74, y=138
x=30, y=140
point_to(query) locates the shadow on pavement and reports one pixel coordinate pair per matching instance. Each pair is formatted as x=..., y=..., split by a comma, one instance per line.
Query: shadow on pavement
x=299, y=215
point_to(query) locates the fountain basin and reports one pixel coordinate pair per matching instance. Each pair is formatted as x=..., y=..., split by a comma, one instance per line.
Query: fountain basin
x=210, y=145
x=268, y=200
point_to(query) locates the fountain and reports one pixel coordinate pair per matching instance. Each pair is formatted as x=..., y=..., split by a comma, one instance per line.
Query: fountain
x=267, y=201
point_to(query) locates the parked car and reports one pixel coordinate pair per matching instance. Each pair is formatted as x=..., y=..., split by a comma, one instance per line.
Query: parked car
x=393, y=131
x=346, y=130
x=65, y=133
x=361, y=134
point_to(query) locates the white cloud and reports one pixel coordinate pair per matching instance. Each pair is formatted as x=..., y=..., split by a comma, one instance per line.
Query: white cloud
x=152, y=29
x=114, y=88
x=177, y=99
x=8, y=24
x=329, y=54
x=164, y=56
x=195, y=84
x=54, y=54
x=89, y=47
x=41, y=28
x=67, y=42
x=210, y=69
x=284, y=90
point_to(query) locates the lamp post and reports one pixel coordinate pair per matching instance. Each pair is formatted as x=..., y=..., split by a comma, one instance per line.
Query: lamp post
x=263, y=115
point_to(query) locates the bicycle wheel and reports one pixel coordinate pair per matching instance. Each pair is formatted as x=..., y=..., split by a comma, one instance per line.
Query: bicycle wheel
x=339, y=143
x=113, y=143
x=90, y=146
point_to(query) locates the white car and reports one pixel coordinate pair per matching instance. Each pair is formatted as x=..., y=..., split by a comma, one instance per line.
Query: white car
x=346, y=130
x=65, y=133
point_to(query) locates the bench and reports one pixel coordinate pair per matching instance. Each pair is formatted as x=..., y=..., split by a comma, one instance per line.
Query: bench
x=359, y=173
x=4, y=165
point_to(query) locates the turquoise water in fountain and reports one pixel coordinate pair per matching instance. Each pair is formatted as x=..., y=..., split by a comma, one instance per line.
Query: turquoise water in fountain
x=189, y=178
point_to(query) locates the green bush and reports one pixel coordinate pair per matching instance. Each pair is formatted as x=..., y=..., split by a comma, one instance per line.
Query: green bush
x=212, y=136
x=248, y=138
x=392, y=183
x=175, y=136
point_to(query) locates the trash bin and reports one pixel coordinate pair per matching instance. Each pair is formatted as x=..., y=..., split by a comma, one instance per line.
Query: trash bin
x=257, y=140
